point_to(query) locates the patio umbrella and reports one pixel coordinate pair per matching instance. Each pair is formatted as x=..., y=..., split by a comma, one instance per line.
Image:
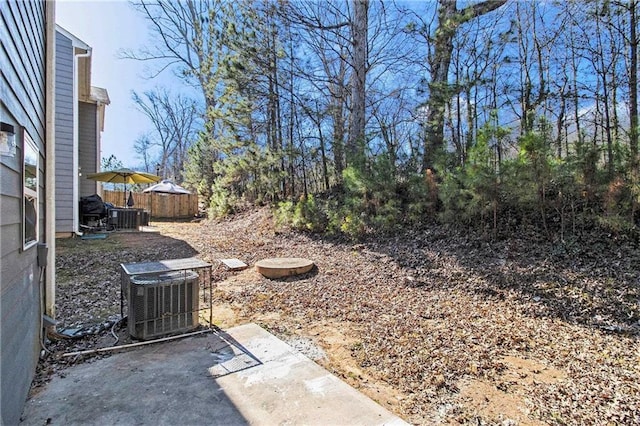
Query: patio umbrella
x=126, y=176
x=167, y=187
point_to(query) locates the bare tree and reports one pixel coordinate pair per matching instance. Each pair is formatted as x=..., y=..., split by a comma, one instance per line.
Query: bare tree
x=143, y=147
x=188, y=40
x=323, y=28
x=175, y=121
x=450, y=18
x=476, y=59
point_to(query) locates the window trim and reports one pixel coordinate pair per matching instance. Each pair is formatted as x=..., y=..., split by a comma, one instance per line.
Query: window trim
x=27, y=192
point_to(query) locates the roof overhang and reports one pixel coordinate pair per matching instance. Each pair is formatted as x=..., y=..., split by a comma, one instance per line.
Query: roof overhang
x=100, y=97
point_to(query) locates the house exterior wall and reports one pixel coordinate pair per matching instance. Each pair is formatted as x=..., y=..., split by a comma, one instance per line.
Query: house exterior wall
x=87, y=146
x=23, y=31
x=64, y=134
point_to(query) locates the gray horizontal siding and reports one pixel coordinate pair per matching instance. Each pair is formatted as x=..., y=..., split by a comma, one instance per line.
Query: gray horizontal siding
x=11, y=235
x=10, y=210
x=23, y=68
x=87, y=147
x=9, y=177
x=22, y=104
x=19, y=351
x=64, y=134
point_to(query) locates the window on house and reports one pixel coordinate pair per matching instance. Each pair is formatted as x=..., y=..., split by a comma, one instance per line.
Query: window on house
x=30, y=191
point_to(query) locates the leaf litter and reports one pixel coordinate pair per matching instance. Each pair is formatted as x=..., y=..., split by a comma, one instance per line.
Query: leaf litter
x=440, y=325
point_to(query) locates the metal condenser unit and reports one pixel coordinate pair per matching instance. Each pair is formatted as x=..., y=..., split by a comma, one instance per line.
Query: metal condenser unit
x=163, y=303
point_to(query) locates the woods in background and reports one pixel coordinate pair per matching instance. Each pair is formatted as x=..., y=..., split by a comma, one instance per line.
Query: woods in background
x=361, y=115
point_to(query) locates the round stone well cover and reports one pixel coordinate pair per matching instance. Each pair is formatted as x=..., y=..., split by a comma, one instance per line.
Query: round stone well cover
x=279, y=267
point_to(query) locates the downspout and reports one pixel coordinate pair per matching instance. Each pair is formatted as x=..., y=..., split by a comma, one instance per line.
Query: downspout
x=99, y=115
x=76, y=143
x=50, y=162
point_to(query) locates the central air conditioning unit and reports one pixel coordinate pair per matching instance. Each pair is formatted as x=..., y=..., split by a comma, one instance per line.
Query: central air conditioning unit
x=125, y=218
x=161, y=304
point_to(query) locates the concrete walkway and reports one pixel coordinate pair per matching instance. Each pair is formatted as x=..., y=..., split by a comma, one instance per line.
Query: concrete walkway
x=242, y=376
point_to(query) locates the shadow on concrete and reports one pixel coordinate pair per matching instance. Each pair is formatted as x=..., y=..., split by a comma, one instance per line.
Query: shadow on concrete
x=243, y=376
x=161, y=384
x=231, y=358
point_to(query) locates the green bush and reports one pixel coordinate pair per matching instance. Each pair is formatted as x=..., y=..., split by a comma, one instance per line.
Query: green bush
x=283, y=213
x=369, y=200
x=222, y=202
x=305, y=215
x=417, y=199
x=471, y=193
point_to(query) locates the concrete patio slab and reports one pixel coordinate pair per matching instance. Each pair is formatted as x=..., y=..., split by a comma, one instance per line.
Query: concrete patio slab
x=244, y=375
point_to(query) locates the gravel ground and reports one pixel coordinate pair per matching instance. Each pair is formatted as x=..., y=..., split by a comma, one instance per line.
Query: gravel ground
x=438, y=325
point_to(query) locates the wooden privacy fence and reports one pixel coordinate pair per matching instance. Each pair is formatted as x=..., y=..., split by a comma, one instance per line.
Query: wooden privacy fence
x=159, y=205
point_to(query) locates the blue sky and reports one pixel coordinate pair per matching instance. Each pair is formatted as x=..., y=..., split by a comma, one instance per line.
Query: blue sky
x=108, y=27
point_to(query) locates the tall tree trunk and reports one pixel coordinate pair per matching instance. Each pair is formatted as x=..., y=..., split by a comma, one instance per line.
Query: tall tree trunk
x=337, y=115
x=575, y=96
x=359, y=38
x=560, y=124
x=615, y=86
x=633, y=89
x=607, y=120
x=337, y=108
x=449, y=20
x=323, y=154
x=457, y=134
x=603, y=76
x=293, y=117
x=439, y=61
x=471, y=125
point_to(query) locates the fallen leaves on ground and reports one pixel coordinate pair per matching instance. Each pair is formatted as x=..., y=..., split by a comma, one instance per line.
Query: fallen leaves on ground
x=430, y=314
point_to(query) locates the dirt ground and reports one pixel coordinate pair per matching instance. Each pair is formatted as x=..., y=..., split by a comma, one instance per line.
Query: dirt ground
x=438, y=325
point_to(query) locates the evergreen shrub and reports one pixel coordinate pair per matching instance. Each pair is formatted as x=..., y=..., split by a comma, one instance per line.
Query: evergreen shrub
x=304, y=215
